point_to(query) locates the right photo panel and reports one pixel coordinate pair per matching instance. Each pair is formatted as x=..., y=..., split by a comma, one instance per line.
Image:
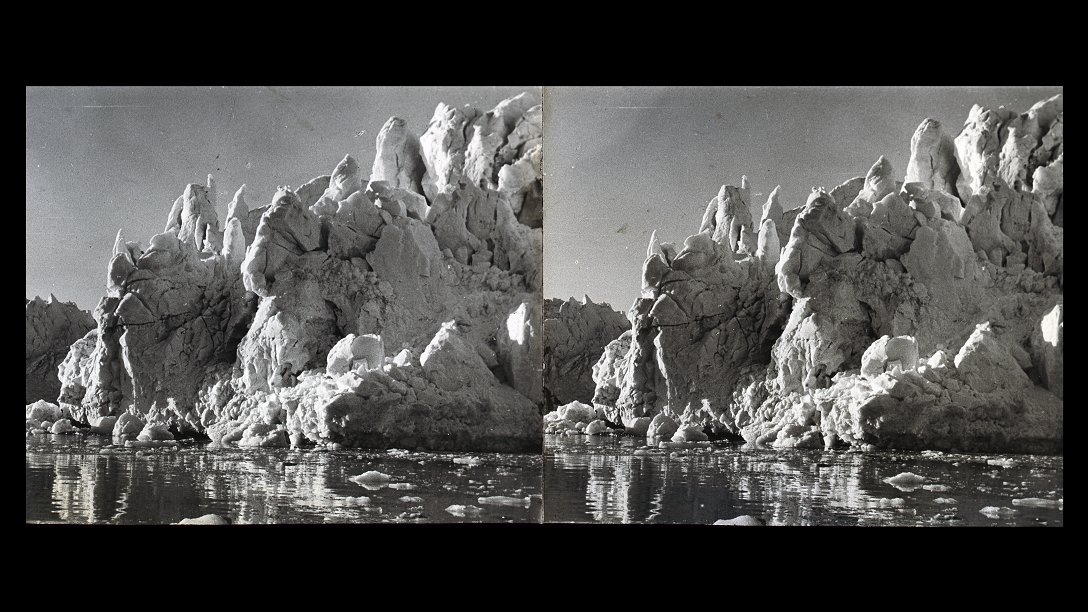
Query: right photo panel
x=804, y=305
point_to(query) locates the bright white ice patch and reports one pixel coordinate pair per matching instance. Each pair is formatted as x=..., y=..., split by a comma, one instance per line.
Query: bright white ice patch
x=998, y=513
x=503, y=500
x=741, y=521
x=464, y=511
x=371, y=477
x=1039, y=502
x=906, y=481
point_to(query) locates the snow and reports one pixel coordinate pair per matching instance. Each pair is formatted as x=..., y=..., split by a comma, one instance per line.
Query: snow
x=503, y=500
x=997, y=513
x=464, y=511
x=745, y=520
x=1039, y=502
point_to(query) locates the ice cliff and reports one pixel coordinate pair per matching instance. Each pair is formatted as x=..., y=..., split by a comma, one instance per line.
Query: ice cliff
x=910, y=311
x=51, y=328
x=395, y=308
x=575, y=333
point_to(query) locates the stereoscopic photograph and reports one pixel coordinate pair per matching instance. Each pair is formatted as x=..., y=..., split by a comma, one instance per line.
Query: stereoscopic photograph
x=283, y=304
x=548, y=305
x=803, y=306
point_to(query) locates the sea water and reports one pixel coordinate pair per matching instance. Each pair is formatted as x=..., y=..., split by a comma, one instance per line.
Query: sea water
x=86, y=479
x=607, y=479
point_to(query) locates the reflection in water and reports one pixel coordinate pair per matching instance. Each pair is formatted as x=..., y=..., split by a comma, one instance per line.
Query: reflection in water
x=69, y=479
x=591, y=479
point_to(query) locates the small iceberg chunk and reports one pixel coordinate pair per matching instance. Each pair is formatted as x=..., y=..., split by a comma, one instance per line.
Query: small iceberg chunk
x=207, y=519
x=998, y=513
x=906, y=481
x=745, y=520
x=371, y=477
x=1039, y=502
x=63, y=426
x=464, y=511
x=504, y=500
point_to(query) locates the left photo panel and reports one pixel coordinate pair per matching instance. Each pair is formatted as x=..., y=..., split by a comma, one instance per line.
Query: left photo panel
x=283, y=305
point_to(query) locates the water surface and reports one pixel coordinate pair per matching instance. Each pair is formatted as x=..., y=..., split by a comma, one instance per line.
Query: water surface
x=621, y=480
x=84, y=479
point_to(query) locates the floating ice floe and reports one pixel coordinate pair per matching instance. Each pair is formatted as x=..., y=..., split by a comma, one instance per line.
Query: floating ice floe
x=906, y=481
x=945, y=500
x=905, y=478
x=207, y=519
x=997, y=513
x=470, y=461
x=503, y=500
x=936, y=488
x=464, y=511
x=371, y=477
x=1039, y=502
x=149, y=443
x=408, y=499
x=1005, y=463
x=402, y=486
x=745, y=520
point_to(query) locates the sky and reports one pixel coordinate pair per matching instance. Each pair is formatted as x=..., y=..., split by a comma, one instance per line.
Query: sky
x=620, y=162
x=99, y=159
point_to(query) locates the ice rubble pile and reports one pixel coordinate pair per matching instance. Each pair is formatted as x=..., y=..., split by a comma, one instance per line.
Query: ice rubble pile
x=51, y=328
x=395, y=309
x=917, y=313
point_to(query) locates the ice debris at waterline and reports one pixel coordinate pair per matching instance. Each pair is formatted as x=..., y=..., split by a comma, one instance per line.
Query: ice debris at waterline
x=923, y=311
x=400, y=308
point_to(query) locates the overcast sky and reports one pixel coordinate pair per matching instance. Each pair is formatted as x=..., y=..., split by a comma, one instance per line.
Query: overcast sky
x=99, y=159
x=621, y=162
